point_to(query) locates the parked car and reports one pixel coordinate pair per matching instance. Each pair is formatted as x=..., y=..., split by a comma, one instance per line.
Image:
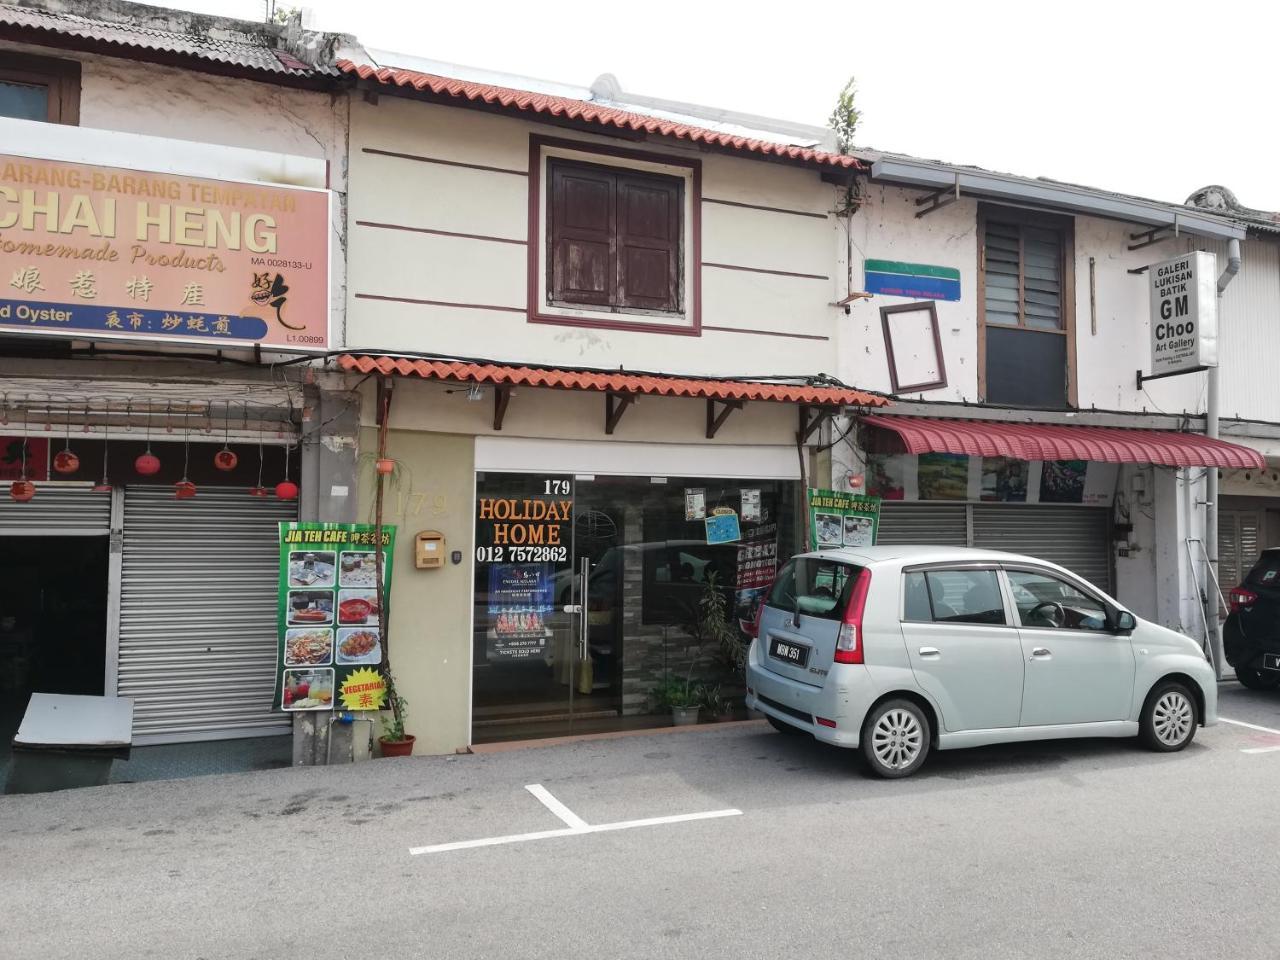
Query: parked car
x=1251, y=635
x=897, y=651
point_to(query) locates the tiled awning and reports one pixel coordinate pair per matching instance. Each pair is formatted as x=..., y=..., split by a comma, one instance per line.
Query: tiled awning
x=1042, y=441
x=616, y=383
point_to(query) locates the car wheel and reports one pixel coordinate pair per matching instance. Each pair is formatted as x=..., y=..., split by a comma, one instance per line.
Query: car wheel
x=895, y=739
x=782, y=726
x=1169, y=718
x=1257, y=679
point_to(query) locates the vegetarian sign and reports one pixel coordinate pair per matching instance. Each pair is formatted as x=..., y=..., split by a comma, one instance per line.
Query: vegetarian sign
x=842, y=519
x=99, y=252
x=330, y=645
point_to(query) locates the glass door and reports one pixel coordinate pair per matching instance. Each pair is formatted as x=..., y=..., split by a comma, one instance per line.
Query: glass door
x=527, y=628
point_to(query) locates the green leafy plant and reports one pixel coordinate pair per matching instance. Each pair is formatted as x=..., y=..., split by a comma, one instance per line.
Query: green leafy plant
x=844, y=118
x=715, y=702
x=674, y=694
x=393, y=725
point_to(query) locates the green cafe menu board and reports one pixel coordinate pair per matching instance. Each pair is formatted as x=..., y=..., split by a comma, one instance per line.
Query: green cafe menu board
x=330, y=652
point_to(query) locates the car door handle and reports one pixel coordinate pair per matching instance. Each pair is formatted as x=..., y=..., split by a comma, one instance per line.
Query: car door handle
x=1041, y=653
x=930, y=652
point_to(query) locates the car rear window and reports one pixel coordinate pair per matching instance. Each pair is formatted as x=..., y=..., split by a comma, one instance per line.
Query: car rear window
x=1266, y=572
x=817, y=586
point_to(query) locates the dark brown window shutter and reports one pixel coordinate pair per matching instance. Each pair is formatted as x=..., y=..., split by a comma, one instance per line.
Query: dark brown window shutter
x=583, y=230
x=649, y=243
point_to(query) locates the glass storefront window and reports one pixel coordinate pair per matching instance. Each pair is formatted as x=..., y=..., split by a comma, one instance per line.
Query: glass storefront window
x=541, y=668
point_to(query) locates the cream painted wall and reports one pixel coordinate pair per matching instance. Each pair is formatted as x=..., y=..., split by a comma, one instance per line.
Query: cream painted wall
x=412, y=265
x=430, y=626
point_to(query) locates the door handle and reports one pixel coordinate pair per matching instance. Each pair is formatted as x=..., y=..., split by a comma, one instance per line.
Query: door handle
x=573, y=608
x=1041, y=653
x=930, y=652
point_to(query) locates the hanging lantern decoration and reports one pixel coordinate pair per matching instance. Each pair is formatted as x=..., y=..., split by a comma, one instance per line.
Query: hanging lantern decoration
x=259, y=490
x=184, y=489
x=104, y=485
x=286, y=489
x=226, y=459
x=64, y=461
x=22, y=489
x=147, y=464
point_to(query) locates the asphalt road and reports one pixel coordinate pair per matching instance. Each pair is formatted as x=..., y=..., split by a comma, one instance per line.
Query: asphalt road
x=1071, y=849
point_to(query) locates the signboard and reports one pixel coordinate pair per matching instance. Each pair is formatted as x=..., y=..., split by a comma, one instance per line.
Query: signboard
x=1184, y=313
x=919, y=281
x=330, y=649
x=100, y=252
x=11, y=457
x=524, y=539
x=757, y=567
x=723, y=526
x=842, y=519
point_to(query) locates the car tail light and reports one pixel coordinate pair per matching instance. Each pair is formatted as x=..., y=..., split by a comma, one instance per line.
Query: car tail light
x=849, y=643
x=824, y=722
x=1240, y=597
x=753, y=630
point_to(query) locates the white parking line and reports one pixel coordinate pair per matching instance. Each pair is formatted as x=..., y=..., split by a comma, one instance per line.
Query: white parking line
x=576, y=825
x=1261, y=750
x=1251, y=726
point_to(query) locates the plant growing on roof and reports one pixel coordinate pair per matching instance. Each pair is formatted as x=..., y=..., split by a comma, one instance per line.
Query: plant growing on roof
x=844, y=124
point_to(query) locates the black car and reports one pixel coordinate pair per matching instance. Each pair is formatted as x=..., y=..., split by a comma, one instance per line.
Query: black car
x=1251, y=636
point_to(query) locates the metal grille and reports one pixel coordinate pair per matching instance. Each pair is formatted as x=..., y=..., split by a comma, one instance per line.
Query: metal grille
x=198, y=599
x=1077, y=538
x=940, y=524
x=56, y=511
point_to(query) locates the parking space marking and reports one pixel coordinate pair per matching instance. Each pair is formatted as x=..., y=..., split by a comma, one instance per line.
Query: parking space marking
x=576, y=825
x=1261, y=750
x=1251, y=726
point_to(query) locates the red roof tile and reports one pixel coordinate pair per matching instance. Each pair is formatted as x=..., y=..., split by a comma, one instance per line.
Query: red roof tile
x=1043, y=441
x=587, y=112
x=610, y=382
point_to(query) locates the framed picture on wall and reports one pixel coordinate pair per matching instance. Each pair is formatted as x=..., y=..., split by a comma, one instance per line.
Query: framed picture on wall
x=913, y=347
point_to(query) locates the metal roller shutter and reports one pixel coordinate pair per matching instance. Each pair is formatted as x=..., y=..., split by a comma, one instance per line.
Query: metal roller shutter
x=1078, y=538
x=941, y=524
x=65, y=511
x=198, y=601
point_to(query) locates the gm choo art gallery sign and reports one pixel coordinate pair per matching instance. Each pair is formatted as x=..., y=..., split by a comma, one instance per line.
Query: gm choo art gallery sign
x=1184, y=314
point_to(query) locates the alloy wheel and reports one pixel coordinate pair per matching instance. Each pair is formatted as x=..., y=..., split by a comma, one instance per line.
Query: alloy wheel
x=897, y=739
x=1172, y=718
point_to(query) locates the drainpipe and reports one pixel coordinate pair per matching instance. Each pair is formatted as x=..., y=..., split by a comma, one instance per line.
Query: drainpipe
x=1211, y=475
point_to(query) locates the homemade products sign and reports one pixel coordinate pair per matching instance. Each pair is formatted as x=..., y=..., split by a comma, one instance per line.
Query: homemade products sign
x=330, y=650
x=842, y=519
x=1184, y=314
x=101, y=252
x=523, y=540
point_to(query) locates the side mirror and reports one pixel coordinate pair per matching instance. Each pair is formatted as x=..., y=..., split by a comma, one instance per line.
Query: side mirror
x=1125, y=622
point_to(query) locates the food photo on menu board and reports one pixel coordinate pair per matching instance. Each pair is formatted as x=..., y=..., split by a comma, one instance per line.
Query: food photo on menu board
x=359, y=568
x=357, y=606
x=308, y=689
x=309, y=568
x=359, y=645
x=310, y=606
x=308, y=646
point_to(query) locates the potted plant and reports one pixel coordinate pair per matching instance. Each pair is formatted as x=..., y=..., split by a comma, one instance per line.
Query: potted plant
x=394, y=741
x=683, y=700
x=718, y=706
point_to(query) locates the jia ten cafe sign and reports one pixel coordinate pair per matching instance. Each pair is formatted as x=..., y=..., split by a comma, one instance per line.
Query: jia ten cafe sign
x=1184, y=313
x=98, y=252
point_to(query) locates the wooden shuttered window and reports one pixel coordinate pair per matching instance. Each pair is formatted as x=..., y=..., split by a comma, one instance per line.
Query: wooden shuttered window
x=1023, y=275
x=614, y=238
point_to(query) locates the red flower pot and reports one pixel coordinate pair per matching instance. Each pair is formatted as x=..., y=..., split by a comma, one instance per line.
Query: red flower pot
x=22, y=490
x=184, y=489
x=287, y=490
x=147, y=464
x=64, y=461
x=225, y=460
x=397, y=748
x=385, y=466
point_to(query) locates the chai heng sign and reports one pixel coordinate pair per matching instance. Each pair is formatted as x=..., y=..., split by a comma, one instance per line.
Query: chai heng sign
x=96, y=252
x=1184, y=313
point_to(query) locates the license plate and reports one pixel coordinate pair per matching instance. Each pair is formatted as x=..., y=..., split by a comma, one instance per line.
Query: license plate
x=1271, y=661
x=796, y=654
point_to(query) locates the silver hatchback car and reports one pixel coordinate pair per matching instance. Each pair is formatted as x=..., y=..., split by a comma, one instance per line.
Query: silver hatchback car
x=899, y=650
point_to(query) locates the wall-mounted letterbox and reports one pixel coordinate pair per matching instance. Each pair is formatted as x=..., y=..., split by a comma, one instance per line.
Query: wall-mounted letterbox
x=428, y=550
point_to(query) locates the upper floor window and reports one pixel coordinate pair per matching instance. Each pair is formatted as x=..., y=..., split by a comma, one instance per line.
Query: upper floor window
x=39, y=88
x=1026, y=342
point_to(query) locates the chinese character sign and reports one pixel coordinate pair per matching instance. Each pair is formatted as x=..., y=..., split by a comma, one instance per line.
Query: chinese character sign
x=842, y=519
x=91, y=251
x=330, y=637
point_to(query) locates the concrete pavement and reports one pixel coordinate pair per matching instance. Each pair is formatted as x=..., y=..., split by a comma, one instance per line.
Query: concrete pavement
x=1070, y=849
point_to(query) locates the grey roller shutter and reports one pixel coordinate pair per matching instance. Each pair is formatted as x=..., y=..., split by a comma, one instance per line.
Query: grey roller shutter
x=1077, y=538
x=198, y=613
x=56, y=511
x=933, y=524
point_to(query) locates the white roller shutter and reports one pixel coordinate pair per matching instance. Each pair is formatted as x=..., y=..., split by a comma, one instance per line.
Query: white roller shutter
x=932, y=524
x=198, y=601
x=67, y=511
x=1078, y=538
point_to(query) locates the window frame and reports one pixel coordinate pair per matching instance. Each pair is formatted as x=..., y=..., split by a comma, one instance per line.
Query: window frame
x=60, y=77
x=1110, y=610
x=950, y=567
x=1065, y=227
x=539, y=309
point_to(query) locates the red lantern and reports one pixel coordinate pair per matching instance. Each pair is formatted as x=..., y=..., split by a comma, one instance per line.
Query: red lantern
x=225, y=460
x=64, y=461
x=386, y=466
x=22, y=490
x=148, y=464
x=184, y=489
x=259, y=491
x=287, y=490
x=102, y=486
